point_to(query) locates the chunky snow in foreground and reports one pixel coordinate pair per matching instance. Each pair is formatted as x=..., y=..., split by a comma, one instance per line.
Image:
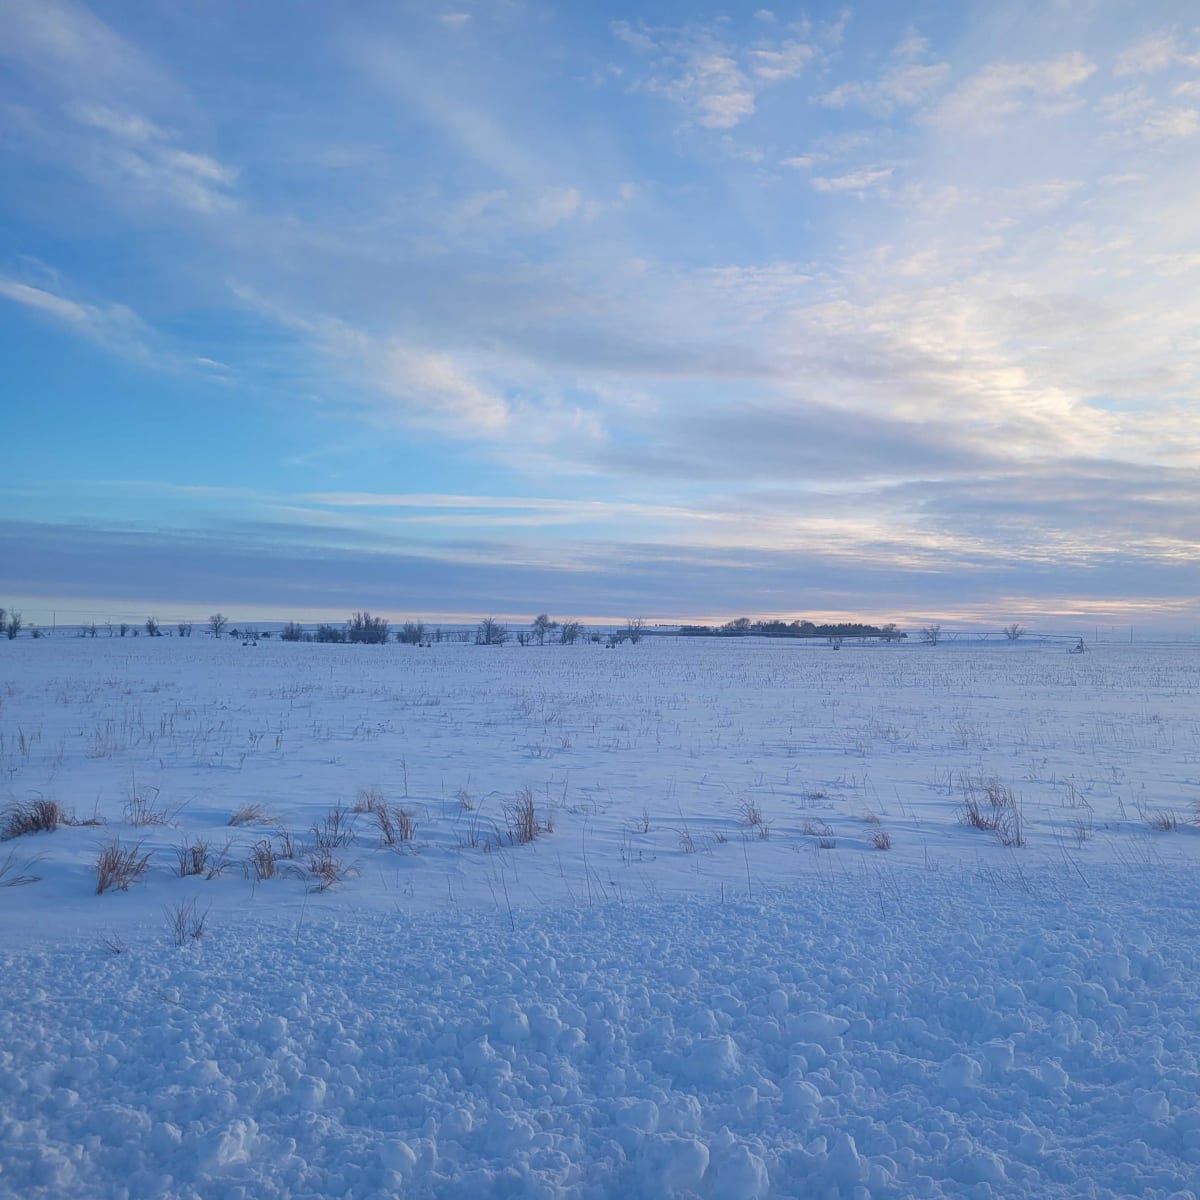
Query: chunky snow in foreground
x=703, y=980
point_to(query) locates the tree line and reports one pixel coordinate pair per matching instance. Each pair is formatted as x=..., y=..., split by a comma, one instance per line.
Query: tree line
x=745, y=627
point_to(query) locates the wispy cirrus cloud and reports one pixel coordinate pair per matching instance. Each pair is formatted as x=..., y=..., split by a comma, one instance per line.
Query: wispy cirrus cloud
x=712, y=77
x=1153, y=53
x=1143, y=116
x=147, y=161
x=985, y=101
x=853, y=181
x=906, y=82
x=116, y=327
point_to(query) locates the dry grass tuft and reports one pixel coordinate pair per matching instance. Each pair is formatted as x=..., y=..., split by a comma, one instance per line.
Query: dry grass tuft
x=197, y=857
x=142, y=808
x=118, y=866
x=749, y=813
x=686, y=842
x=325, y=869
x=1164, y=821
x=262, y=862
x=336, y=831
x=249, y=814
x=185, y=922
x=991, y=806
x=523, y=822
x=33, y=816
x=111, y=944
x=368, y=800
x=406, y=827
x=14, y=873
x=395, y=824
x=881, y=839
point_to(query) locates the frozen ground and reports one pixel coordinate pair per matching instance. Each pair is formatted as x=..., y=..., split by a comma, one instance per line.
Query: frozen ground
x=704, y=981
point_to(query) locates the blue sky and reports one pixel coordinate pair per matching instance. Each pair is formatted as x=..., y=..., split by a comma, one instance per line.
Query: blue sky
x=885, y=310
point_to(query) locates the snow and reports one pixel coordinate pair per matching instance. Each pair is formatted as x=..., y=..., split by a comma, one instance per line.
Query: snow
x=602, y=1013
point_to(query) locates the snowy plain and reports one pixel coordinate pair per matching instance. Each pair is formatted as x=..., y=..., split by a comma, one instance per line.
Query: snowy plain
x=704, y=979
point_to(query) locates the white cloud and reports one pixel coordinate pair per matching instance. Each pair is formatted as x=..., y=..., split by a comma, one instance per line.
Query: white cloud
x=715, y=81
x=913, y=45
x=1151, y=54
x=854, y=181
x=1140, y=115
x=789, y=61
x=982, y=103
x=435, y=389
x=130, y=127
x=636, y=38
x=714, y=89
x=77, y=53
x=1166, y=124
x=454, y=20
x=898, y=87
x=552, y=207
x=106, y=86
x=115, y=327
x=47, y=302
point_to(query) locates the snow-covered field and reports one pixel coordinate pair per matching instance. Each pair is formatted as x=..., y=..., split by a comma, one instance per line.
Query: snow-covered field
x=701, y=977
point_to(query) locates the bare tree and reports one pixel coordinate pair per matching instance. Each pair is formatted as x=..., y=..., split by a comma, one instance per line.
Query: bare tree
x=216, y=623
x=366, y=628
x=633, y=629
x=1014, y=631
x=541, y=626
x=185, y=628
x=490, y=633
x=152, y=627
x=570, y=632
x=931, y=635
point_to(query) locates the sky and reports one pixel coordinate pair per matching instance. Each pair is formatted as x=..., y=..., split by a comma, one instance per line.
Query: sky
x=675, y=310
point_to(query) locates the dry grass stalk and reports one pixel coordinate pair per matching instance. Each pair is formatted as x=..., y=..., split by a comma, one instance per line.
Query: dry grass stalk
x=249, y=814
x=261, y=862
x=749, y=813
x=336, y=831
x=185, y=922
x=14, y=874
x=196, y=857
x=524, y=825
x=33, y=816
x=118, y=866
